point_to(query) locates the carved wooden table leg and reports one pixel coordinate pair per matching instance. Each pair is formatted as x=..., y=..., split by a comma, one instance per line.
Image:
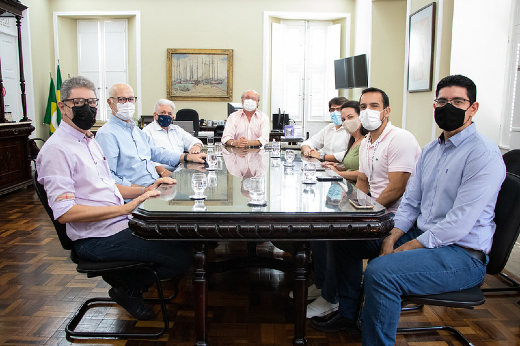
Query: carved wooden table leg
x=300, y=293
x=200, y=288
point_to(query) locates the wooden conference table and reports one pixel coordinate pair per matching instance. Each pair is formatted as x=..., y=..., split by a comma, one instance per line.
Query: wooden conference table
x=294, y=212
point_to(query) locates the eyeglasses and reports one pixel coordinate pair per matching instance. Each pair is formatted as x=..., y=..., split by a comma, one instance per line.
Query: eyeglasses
x=79, y=102
x=457, y=102
x=131, y=99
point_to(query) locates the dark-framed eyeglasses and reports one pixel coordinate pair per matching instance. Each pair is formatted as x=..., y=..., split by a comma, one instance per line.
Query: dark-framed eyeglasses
x=457, y=102
x=131, y=99
x=79, y=102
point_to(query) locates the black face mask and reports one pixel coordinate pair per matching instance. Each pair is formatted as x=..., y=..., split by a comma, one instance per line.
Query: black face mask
x=449, y=117
x=84, y=116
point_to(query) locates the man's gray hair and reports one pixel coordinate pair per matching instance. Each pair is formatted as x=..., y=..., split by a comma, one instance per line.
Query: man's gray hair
x=164, y=102
x=244, y=94
x=75, y=83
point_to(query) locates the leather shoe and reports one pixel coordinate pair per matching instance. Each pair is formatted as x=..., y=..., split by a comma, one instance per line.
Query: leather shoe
x=134, y=305
x=332, y=323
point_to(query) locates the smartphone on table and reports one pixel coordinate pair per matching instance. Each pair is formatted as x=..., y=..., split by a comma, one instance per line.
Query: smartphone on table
x=360, y=203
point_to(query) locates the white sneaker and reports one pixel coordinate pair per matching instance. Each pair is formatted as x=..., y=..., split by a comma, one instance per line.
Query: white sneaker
x=320, y=307
x=313, y=292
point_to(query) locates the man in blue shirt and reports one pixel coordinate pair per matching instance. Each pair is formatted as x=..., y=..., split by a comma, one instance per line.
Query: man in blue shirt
x=130, y=153
x=443, y=228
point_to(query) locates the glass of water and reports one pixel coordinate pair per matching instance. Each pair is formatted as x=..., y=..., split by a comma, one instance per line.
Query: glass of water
x=211, y=159
x=309, y=173
x=199, y=182
x=211, y=141
x=218, y=149
x=257, y=190
x=289, y=157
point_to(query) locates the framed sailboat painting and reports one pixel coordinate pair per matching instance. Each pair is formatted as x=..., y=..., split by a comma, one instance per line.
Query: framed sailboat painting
x=200, y=74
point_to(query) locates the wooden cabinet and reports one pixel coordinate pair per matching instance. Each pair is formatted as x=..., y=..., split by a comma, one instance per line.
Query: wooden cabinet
x=15, y=156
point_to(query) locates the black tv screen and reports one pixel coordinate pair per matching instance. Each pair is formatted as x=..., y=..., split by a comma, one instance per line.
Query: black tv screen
x=233, y=107
x=351, y=72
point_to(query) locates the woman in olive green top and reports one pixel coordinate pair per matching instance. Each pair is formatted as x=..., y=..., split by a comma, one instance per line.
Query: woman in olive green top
x=352, y=124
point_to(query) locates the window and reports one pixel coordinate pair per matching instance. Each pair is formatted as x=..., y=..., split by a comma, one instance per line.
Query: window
x=103, y=56
x=302, y=78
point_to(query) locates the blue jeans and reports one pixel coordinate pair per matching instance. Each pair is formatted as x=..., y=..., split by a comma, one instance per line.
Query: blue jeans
x=325, y=269
x=413, y=272
x=172, y=258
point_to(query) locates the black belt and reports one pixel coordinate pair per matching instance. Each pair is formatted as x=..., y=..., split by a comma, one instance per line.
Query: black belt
x=480, y=255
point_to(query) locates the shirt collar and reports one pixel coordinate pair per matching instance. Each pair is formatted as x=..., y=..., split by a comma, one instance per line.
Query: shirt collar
x=129, y=125
x=254, y=114
x=72, y=131
x=460, y=137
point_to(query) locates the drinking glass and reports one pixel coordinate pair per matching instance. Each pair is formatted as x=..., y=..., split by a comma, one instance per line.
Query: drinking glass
x=199, y=206
x=211, y=141
x=257, y=190
x=309, y=173
x=275, y=149
x=218, y=149
x=289, y=157
x=211, y=159
x=212, y=179
x=198, y=184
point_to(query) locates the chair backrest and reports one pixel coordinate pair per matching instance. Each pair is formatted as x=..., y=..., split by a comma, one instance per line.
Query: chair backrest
x=507, y=219
x=61, y=229
x=512, y=161
x=189, y=114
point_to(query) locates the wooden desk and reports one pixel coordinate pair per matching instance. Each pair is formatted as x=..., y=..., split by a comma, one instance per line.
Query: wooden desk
x=294, y=212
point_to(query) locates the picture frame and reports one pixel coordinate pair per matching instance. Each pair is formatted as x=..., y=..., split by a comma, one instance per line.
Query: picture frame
x=420, y=48
x=199, y=74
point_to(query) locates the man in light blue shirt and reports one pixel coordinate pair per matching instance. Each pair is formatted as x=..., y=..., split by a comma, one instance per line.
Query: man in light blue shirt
x=443, y=228
x=130, y=152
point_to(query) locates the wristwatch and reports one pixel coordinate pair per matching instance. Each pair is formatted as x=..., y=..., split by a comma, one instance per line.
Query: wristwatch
x=232, y=143
x=322, y=157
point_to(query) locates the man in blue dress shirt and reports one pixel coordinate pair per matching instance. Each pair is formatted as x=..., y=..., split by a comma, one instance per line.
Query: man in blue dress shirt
x=130, y=153
x=443, y=228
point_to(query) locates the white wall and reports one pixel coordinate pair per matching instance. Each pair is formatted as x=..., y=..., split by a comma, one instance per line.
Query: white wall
x=479, y=50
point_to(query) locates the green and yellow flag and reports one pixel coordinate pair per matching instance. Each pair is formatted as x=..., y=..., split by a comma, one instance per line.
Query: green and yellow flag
x=58, y=94
x=50, y=112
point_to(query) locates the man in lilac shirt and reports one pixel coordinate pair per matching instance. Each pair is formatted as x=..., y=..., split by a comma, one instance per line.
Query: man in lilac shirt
x=247, y=127
x=443, y=227
x=83, y=195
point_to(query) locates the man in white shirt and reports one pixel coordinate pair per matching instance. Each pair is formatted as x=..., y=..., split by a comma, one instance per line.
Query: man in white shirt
x=331, y=142
x=169, y=136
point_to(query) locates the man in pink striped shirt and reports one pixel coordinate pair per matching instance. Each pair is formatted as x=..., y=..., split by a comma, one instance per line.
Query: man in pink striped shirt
x=247, y=127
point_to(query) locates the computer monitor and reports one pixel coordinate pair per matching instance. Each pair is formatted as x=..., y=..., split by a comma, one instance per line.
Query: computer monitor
x=185, y=125
x=351, y=72
x=233, y=107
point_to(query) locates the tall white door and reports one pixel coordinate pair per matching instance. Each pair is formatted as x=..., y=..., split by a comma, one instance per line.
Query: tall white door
x=10, y=68
x=302, y=78
x=103, y=56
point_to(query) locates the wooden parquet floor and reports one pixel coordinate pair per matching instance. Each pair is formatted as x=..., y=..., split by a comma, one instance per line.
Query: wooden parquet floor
x=40, y=290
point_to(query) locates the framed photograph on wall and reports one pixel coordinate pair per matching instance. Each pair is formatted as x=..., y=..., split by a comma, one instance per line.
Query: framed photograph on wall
x=200, y=74
x=420, y=49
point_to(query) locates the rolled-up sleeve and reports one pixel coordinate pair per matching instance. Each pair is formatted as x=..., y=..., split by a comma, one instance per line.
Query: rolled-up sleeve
x=54, y=174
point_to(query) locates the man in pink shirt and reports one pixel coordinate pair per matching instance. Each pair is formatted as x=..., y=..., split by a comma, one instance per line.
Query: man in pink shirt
x=247, y=127
x=387, y=156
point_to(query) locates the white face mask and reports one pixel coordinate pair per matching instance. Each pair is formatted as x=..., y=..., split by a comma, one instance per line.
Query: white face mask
x=351, y=125
x=250, y=105
x=370, y=119
x=125, y=111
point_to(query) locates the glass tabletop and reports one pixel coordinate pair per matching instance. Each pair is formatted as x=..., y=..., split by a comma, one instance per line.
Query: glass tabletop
x=243, y=177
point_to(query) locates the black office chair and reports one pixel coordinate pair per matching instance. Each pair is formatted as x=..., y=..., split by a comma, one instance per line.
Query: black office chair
x=507, y=219
x=93, y=269
x=189, y=114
